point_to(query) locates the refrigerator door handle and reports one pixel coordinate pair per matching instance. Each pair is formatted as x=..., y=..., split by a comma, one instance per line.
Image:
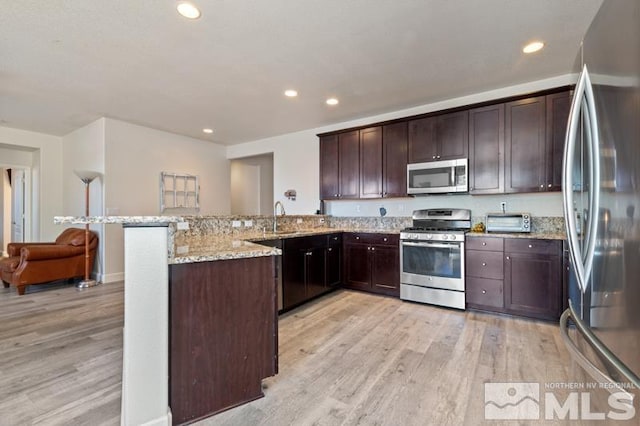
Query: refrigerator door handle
x=567, y=187
x=601, y=350
x=593, y=146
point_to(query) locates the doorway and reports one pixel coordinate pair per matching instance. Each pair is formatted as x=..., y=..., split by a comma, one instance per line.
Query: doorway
x=14, y=205
x=252, y=185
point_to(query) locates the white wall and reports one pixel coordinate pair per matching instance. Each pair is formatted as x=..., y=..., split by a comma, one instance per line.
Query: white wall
x=134, y=158
x=83, y=149
x=46, y=178
x=296, y=160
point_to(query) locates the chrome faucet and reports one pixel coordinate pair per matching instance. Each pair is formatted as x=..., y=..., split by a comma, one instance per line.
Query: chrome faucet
x=275, y=215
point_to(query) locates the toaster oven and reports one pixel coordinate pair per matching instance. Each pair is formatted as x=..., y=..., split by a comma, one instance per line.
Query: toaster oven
x=508, y=222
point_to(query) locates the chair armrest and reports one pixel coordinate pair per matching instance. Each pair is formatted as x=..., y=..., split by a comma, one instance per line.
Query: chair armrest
x=13, y=249
x=54, y=251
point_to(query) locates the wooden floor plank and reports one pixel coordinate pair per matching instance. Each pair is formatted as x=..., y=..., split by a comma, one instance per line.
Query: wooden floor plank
x=347, y=358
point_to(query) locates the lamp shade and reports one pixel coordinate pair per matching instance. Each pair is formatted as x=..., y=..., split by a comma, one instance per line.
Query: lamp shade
x=87, y=176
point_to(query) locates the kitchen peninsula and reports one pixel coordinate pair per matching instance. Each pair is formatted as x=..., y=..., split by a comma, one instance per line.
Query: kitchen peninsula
x=200, y=331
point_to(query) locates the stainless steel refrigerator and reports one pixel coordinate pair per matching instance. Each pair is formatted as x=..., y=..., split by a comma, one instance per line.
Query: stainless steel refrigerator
x=601, y=192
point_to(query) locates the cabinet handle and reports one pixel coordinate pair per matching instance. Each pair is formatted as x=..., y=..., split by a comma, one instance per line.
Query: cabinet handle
x=384, y=239
x=541, y=186
x=438, y=157
x=484, y=291
x=433, y=158
x=530, y=246
x=373, y=248
x=484, y=263
x=357, y=238
x=549, y=186
x=368, y=248
x=309, y=253
x=335, y=195
x=335, y=238
x=329, y=249
x=508, y=258
x=484, y=244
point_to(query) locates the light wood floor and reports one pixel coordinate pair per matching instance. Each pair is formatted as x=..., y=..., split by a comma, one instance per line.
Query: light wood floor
x=348, y=358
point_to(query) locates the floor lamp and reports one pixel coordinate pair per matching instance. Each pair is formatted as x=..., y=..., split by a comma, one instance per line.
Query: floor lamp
x=86, y=177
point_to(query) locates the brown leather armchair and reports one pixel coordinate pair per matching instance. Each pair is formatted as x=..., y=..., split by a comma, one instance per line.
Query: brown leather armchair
x=37, y=263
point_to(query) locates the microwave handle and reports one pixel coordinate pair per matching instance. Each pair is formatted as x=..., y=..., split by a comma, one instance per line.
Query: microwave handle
x=453, y=176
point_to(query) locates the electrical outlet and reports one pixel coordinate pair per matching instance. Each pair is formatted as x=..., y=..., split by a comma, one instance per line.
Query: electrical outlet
x=236, y=224
x=321, y=220
x=182, y=249
x=248, y=223
x=183, y=226
x=358, y=208
x=503, y=206
x=299, y=221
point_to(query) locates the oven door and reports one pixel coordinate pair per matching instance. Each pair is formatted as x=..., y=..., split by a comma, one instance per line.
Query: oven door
x=432, y=264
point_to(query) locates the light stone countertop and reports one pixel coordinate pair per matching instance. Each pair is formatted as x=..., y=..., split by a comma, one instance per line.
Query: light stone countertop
x=224, y=247
x=221, y=248
x=59, y=220
x=534, y=235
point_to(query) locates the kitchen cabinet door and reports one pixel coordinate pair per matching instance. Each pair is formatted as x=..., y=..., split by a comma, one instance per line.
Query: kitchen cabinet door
x=315, y=271
x=294, y=286
x=395, y=142
x=333, y=268
x=486, y=150
x=385, y=270
x=349, y=164
x=371, y=162
x=423, y=145
x=356, y=266
x=440, y=137
x=558, y=105
x=452, y=133
x=533, y=285
x=525, y=145
x=329, y=169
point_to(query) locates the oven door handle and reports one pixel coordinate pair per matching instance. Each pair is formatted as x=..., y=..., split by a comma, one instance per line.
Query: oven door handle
x=433, y=245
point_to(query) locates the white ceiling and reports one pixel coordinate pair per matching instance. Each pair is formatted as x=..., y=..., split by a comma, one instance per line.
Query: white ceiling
x=66, y=63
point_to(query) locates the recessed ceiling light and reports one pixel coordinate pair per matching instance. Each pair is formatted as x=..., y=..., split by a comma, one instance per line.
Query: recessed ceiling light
x=188, y=10
x=533, y=47
x=332, y=101
x=291, y=93
x=208, y=131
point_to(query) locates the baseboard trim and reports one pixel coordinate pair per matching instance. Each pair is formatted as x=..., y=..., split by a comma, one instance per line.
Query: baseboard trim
x=110, y=278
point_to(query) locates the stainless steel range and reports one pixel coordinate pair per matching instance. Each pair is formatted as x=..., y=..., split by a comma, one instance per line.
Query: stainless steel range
x=432, y=257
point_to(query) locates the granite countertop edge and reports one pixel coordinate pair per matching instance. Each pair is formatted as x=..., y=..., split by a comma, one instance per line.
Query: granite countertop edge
x=534, y=235
x=225, y=247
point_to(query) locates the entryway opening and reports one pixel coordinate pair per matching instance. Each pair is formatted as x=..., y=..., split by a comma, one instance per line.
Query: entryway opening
x=252, y=185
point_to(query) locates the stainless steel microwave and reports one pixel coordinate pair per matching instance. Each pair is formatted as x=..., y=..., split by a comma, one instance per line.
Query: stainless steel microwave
x=437, y=177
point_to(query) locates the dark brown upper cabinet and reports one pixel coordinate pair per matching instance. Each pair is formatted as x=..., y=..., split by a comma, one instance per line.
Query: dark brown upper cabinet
x=440, y=137
x=329, y=170
x=340, y=166
x=558, y=106
x=525, y=145
x=486, y=149
x=394, y=159
x=371, y=162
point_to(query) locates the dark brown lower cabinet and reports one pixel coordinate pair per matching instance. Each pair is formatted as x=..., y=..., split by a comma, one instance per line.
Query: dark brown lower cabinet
x=310, y=267
x=533, y=278
x=519, y=276
x=372, y=263
x=223, y=337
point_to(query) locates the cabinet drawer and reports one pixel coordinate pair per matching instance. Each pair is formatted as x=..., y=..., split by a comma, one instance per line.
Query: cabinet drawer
x=484, y=292
x=368, y=238
x=484, y=243
x=304, y=243
x=485, y=264
x=533, y=246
